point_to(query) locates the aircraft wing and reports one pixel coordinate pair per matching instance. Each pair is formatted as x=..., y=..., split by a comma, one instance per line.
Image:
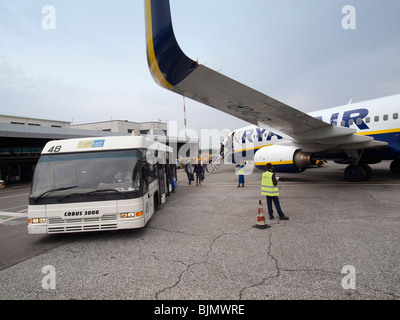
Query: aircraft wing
x=173, y=70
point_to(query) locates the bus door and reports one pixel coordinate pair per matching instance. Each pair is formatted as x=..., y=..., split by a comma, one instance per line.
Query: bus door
x=161, y=183
x=147, y=204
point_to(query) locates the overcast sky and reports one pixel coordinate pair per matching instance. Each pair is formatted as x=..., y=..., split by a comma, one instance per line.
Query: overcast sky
x=92, y=66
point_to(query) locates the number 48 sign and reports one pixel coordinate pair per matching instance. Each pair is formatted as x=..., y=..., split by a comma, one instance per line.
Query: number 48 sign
x=54, y=149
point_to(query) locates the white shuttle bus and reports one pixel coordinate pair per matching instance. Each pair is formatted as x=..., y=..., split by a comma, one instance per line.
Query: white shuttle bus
x=94, y=184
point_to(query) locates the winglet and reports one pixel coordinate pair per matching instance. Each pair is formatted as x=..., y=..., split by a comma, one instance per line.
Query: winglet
x=167, y=63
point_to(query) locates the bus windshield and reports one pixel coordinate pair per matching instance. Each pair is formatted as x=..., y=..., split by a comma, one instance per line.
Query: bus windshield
x=58, y=175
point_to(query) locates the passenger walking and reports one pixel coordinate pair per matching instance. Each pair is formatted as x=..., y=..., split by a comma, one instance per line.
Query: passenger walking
x=269, y=188
x=170, y=178
x=241, y=173
x=189, y=171
x=199, y=173
x=221, y=151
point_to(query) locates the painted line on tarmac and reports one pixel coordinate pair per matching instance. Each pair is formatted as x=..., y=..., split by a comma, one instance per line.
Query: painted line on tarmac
x=301, y=184
x=13, y=208
x=15, y=196
x=6, y=216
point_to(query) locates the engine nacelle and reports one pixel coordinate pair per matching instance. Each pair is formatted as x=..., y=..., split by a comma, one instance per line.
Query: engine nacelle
x=283, y=158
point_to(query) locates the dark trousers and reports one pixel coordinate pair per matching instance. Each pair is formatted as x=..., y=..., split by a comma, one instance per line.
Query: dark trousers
x=277, y=206
x=198, y=178
x=189, y=175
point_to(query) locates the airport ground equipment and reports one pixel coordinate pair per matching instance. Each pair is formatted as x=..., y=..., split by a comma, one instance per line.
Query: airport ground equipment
x=261, y=218
x=95, y=184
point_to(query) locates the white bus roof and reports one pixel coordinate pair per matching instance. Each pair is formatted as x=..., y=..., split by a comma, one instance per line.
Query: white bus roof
x=103, y=144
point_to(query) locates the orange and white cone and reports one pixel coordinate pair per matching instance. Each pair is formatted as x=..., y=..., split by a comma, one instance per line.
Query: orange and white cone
x=261, y=218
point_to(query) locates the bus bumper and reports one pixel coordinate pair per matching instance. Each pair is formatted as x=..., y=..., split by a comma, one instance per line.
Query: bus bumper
x=32, y=229
x=131, y=224
x=65, y=228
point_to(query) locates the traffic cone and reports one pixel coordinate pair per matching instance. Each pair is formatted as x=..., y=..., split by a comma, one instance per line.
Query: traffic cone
x=261, y=218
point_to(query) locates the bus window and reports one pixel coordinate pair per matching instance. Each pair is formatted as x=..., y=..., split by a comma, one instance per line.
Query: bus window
x=86, y=172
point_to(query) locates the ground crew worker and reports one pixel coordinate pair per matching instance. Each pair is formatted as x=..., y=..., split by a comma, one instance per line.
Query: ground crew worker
x=269, y=188
x=241, y=173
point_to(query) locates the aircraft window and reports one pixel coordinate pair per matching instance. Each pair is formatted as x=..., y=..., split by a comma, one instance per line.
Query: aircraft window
x=386, y=117
x=376, y=119
x=351, y=121
x=367, y=119
x=395, y=116
x=359, y=121
x=334, y=123
x=342, y=123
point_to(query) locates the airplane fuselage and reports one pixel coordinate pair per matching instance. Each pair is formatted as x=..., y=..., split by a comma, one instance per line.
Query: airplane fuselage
x=378, y=118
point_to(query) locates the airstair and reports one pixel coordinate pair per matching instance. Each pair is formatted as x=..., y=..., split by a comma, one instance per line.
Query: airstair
x=215, y=163
x=218, y=159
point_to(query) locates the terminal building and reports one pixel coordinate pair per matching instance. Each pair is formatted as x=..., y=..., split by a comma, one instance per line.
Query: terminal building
x=128, y=127
x=22, y=140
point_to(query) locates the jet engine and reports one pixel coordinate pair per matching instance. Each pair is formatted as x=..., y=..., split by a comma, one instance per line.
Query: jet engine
x=283, y=158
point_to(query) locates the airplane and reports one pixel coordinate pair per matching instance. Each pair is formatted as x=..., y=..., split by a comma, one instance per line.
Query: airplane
x=357, y=134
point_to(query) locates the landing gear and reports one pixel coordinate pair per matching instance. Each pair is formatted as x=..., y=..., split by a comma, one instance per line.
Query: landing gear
x=355, y=173
x=358, y=172
x=368, y=171
x=395, y=166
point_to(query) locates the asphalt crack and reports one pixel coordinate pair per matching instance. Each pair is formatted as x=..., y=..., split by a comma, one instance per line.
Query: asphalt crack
x=188, y=266
x=371, y=195
x=279, y=271
x=157, y=294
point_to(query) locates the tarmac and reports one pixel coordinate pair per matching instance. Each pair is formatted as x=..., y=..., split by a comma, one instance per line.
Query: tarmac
x=341, y=243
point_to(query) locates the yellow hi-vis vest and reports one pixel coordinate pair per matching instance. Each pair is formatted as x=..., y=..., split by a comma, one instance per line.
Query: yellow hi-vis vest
x=241, y=169
x=267, y=186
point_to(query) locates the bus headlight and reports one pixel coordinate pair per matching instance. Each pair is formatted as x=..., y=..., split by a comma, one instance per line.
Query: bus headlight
x=37, y=220
x=128, y=215
x=131, y=214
